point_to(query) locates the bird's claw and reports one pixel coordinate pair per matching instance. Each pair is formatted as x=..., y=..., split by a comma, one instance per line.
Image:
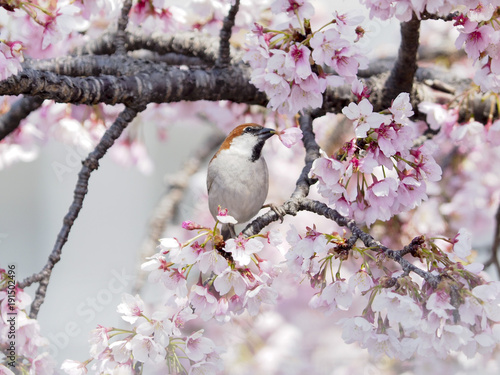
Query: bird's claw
x=278, y=210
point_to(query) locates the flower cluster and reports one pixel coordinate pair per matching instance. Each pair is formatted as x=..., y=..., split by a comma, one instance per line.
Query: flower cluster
x=21, y=343
x=380, y=173
x=208, y=280
x=292, y=66
x=480, y=35
x=404, y=9
x=218, y=278
x=393, y=314
x=477, y=24
x=155, y=339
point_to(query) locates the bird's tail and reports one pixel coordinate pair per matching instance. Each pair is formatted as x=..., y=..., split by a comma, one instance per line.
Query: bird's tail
x=227, y=231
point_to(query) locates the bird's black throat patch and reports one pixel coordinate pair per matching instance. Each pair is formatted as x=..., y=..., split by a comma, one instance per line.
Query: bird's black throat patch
x=257, y=151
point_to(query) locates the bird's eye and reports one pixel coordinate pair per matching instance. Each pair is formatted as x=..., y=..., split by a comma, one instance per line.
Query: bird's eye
x=248, y=129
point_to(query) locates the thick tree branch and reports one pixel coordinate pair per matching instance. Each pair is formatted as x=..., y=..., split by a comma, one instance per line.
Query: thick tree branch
x=90, y=164
x=157, y=86
x=403, y=72
x=93, y=66
x=312, y=153
x=190, y=44
x=225, y=34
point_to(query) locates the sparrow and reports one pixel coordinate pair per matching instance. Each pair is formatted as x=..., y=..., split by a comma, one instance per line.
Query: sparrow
x=237, y=176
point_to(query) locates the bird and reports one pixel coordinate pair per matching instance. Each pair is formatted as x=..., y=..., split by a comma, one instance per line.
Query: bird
x=237, y=175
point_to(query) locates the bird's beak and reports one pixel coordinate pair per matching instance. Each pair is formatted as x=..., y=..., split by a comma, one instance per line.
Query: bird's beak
x=265, y=133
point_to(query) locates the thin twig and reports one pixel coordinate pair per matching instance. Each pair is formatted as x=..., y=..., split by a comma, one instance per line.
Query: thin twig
x=225, y=34
x=90, y=164
x=18, y=112
x=121, y=48
x=322, y=209
x=164, y=211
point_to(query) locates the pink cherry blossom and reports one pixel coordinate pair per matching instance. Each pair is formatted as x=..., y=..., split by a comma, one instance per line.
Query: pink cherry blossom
x=230, y=279
x=356, y=329
x=180, y=318
x=98, y=340
x=345, y=62
x=297, y=60
x=242, y=248
x=437, y=115
x=11, y=57
x=224, y=217
x=255, y=297
x=400, y=309
x=462, y=243
x=439, y=303
x=337, y=295
x=120, y=350
x=131, y=308
x=58, y=25
x=198, y=346
x=290, y=136
x=363, y=117
x=204, y=303
x=303, y=8
x=160, y=326
x=212, y=261
x=146, y=349
x=401, y=108
x=324, y=45
x=475, y=41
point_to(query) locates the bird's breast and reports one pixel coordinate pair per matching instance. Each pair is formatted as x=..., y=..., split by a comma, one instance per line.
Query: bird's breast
x=238, y=184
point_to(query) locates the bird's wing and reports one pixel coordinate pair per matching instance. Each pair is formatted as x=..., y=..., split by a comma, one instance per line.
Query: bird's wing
x=210, y=178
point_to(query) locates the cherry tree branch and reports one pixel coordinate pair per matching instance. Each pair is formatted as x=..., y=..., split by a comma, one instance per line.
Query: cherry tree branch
x=156, y=86
x=225, y=34
x=431, y=16
x=403, y=72
x=321, y=208
x=189, y=44
x=93, y=66
x=18, y=112
x=122, y=25
x=312, y=153
x=293, y=206
x=90, y=164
